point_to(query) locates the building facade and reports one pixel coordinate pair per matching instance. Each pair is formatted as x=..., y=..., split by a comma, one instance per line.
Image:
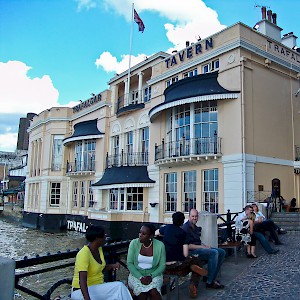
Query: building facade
x=212, y=126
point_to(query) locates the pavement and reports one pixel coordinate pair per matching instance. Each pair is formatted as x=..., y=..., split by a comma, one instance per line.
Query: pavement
x=270, y=276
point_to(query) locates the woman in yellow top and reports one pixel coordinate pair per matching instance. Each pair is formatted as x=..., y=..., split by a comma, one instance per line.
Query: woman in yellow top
x=88, y=280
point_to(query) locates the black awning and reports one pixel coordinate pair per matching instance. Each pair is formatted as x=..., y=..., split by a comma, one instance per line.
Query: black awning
x=203, y=87
x=83, y=131
x=134, y=176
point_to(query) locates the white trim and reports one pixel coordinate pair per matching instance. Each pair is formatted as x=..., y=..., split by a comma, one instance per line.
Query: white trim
x=122, y=185
x=82, y=137
x=183, y=101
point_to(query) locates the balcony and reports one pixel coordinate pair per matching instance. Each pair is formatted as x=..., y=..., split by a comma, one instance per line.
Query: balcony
x=133, y=101
x=80, y=168
x=127, y=159
x=192, y=150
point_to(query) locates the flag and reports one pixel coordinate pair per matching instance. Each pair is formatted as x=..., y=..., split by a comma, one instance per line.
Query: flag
x=139, y=21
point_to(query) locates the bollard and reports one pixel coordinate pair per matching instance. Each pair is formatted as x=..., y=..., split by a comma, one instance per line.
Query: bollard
x=209, y=234
x=7, y=275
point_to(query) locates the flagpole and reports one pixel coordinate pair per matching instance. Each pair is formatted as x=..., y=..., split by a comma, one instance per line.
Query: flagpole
x=130, y=50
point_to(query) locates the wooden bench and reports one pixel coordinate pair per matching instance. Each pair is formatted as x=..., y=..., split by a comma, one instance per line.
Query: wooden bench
x=232, y=245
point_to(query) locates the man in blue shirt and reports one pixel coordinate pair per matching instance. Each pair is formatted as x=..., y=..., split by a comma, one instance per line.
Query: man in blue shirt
x=214, y=256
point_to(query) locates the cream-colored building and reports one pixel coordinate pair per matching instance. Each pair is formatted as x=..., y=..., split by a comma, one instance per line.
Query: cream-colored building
x=212, y=126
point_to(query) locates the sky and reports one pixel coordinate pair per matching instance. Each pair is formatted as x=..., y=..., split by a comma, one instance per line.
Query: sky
x=58, y=52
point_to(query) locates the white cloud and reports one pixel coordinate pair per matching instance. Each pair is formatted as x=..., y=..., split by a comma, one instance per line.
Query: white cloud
x=189, y=20
x=87, y=4
x=23, y=94
x=110, y=63
x=8, y=142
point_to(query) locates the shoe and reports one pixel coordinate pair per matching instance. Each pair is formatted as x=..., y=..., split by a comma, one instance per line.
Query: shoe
x=251, y=256
x=282, y=231
x=193, y=291
x=274, y=251
x=279, y=243
x=214, y=285
x=198, y=270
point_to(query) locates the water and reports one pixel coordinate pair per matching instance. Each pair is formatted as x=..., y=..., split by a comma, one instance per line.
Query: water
x=17, y=242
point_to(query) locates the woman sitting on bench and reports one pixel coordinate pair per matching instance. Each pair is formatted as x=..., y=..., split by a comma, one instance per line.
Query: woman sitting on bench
x=146, y=261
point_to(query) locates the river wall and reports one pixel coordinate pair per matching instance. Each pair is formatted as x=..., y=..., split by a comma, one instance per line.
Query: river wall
x=12, y=212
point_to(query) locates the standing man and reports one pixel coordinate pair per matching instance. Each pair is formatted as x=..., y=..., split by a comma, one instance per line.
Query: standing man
x=214, y=256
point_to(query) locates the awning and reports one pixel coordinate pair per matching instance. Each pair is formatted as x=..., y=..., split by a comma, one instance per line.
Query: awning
x=203, y=87
x=122, y=177
x=85, y=130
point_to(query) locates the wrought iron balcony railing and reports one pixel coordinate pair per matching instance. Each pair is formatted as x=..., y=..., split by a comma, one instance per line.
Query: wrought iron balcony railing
x=127, y=159
x=134, y=98
x=80, y=166
x=185, y=147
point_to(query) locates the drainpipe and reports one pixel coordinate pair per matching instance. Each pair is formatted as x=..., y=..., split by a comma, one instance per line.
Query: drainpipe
x=243, y=59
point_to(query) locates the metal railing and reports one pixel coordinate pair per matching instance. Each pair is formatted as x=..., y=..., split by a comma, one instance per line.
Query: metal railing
x=187, y=147
x=134, y=97
x=80, y=166
x=127, y=159
x=112, y=253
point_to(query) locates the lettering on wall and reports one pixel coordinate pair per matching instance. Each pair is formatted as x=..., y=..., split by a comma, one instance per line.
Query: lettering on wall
x=290, y=54
x=76, y=226
x=87, y=103
x=189, y=53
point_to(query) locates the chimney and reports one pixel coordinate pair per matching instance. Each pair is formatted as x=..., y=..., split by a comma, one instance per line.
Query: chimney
x=269, y=13
x=187, y=43
x=274, y=18
x=289, y=40
x=267, y=26
x=263, y=12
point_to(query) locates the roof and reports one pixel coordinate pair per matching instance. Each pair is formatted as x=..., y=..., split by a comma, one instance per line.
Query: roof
x=131, y=176
x=203, y=87
x=83, y=131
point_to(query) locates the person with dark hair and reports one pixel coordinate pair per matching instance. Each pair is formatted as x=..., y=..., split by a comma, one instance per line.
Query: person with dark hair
x=292, y=206
x=177, y=253
x=214, y=256
x=146, y=261
x=88, y=280
x=258, y=235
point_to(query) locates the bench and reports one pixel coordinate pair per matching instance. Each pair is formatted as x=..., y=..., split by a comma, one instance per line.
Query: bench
x=232, y=245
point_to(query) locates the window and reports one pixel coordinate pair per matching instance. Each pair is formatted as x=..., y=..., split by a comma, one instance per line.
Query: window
x=116, y=150
x=133, y=196
x=57, y=153
x=75, y=193
x=91, y=194
x=210, y=190
x=85, y=155
x=205, y=127
x=210, y=67
x=182, y=130
x=147, y=94
x=54, y=193
x=189, y=190
x=172, y=80
x=129, y=146
x=171, y=192
x=82, y=194
x=190, y=73
x=144, y=144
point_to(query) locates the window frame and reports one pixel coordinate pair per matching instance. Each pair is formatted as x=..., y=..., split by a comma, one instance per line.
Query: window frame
x=55, y=194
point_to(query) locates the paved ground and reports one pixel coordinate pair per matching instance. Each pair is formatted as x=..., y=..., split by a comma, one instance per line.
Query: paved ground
x=267, y=277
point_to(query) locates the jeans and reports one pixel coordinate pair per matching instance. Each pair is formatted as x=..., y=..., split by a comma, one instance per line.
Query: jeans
x=266, y=245
x=214, y=256
x=267, y=225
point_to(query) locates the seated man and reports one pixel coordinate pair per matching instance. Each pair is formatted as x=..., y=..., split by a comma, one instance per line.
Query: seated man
x=214, y=256
x=259, y=236
x=262, y=225
x=178, y=261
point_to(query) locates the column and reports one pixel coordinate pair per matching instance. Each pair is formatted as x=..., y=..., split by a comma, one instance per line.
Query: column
x=209, y=234
x=140, y=87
